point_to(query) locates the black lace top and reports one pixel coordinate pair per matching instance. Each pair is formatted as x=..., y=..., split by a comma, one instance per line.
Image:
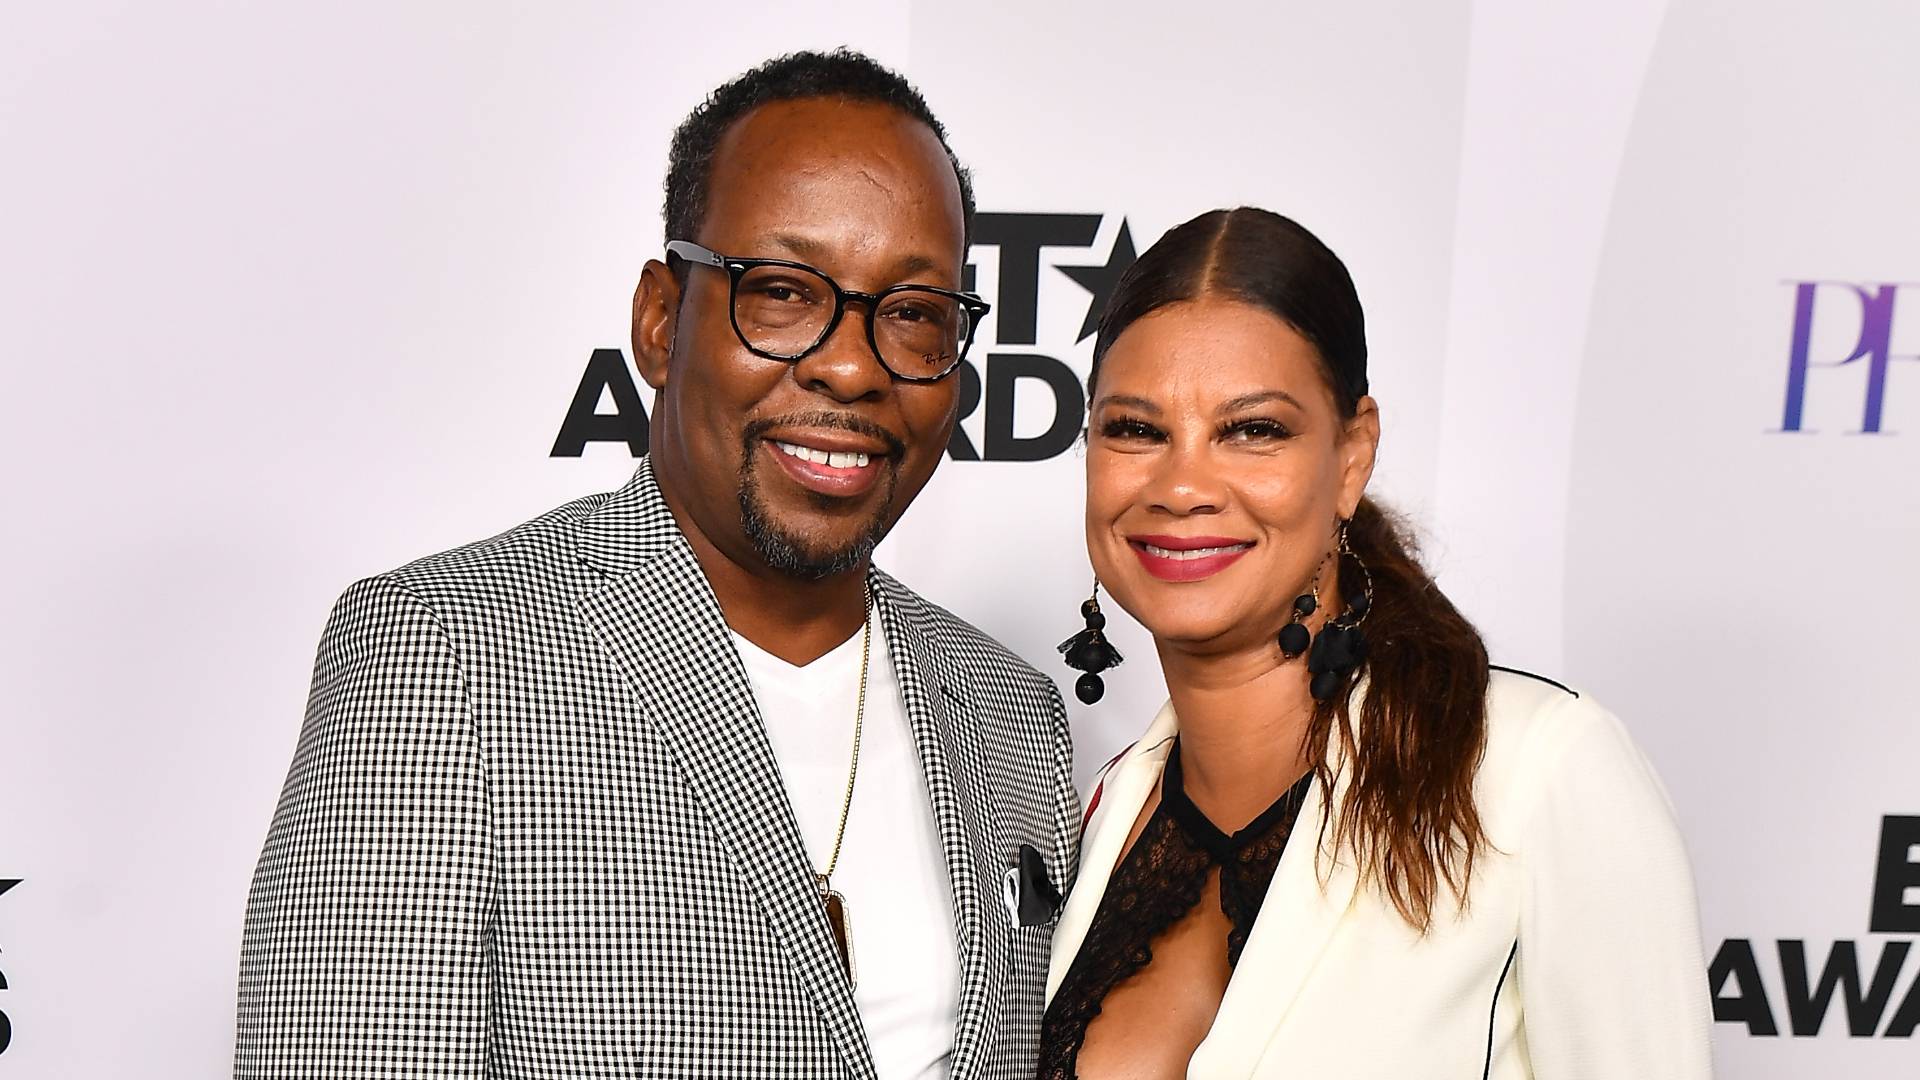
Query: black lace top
x=1156, y=884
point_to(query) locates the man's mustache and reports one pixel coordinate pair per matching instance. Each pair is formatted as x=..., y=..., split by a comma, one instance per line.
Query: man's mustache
x=838, y=421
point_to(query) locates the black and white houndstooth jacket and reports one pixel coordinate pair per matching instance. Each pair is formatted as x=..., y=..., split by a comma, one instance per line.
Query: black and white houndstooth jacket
x=533, y=829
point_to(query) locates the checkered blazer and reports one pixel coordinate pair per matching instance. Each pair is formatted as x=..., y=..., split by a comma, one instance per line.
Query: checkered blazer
x=533, y=828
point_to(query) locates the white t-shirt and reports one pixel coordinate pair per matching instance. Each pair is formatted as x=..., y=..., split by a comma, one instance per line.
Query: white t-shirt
x=892, y=870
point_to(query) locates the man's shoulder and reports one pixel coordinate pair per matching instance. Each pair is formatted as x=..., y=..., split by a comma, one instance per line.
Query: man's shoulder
x=527, y=559
x=548, y=535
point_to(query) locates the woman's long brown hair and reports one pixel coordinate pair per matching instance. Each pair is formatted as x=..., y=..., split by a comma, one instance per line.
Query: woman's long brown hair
x=1408, y=818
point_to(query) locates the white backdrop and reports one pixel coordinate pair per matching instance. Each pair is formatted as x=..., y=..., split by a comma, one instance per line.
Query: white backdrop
x=291, y=294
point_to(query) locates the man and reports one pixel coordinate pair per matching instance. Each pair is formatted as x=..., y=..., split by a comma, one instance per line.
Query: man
x=669, y=782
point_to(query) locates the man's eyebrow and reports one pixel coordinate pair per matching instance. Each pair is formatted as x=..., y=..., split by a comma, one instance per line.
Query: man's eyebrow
x=917, y=264
x=1140, y=403
x=1260, y=397
x=807, y=249
x=803, y=246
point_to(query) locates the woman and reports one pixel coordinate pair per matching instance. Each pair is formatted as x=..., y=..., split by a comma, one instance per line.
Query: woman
x=1347, y=847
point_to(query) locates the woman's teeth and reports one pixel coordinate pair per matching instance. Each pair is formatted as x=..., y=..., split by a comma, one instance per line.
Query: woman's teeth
x=831, y=459
x=1191, y=553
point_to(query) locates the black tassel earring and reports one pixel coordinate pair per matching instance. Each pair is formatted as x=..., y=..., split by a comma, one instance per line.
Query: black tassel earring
x=1090, y=651
x=1341, y=646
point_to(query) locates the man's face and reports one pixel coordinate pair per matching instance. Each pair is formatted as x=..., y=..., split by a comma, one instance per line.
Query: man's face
x=866, y=194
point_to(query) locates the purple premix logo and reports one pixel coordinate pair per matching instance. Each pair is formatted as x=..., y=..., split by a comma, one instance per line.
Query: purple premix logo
x=1874, y=344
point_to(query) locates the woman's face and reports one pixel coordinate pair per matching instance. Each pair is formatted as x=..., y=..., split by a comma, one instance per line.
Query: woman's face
x=1218, y=468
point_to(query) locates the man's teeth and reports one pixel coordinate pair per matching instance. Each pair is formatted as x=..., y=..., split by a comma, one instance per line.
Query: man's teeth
x=833, y=459
x=1191, y=553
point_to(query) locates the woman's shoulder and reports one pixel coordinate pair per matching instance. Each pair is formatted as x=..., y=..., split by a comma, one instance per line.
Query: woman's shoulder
x=1549, y=743
x=1526, y=710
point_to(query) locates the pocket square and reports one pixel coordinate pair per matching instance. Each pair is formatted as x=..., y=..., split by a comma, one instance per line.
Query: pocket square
x=1030, y=895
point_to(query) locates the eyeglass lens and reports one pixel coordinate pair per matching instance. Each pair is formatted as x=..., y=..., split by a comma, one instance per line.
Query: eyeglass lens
x=786, y=311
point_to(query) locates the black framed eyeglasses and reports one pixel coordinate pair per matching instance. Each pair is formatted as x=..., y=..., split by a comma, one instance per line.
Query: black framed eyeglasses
x=785, y=310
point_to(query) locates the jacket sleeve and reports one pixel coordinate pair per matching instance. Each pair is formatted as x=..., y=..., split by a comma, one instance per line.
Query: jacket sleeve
x=365, y=951
x=1612, y=979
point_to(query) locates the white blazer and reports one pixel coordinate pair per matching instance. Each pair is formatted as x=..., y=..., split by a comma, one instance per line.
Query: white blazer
x=1577, y=957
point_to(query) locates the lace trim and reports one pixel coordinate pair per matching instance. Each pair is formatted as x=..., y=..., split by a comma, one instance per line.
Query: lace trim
x=1156, y=884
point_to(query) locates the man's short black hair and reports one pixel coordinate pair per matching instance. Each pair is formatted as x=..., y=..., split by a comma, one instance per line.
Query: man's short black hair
x=842, y=73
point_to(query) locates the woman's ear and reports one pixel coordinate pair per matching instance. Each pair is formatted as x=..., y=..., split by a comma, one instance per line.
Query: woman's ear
x=656, y=309
x=1359, y=446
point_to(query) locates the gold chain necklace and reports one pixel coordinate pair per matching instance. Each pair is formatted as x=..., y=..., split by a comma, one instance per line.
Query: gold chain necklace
x=835, y=903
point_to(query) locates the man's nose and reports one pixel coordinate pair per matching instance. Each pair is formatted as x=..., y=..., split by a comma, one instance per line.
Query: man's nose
x=845, y=366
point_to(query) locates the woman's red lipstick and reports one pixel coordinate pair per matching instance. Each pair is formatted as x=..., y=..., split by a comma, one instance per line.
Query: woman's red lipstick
x=1187, y=558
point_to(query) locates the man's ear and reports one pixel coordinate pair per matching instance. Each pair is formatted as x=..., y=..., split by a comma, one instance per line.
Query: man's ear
x=656, y=308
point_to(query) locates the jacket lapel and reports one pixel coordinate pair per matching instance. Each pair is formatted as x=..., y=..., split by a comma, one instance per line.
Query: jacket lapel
x=1305, y=904
x=1123, y=791
x=946, y=735
x=659, y=621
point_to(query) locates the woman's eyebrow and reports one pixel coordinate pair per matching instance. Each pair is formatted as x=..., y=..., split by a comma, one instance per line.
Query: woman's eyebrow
x=1262, y=397
x=1140, y=403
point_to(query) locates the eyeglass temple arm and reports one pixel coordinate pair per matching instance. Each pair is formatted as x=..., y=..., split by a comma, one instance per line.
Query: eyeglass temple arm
x=693, y=252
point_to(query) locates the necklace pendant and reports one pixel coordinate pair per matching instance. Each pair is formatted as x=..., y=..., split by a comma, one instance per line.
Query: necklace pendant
x=836, y=907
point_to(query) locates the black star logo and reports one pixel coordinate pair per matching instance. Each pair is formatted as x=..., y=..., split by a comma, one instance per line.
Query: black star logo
x=8, y=883
x=1100, y=280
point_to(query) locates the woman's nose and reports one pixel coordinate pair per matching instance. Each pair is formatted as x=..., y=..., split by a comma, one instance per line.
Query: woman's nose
x=1188, y=482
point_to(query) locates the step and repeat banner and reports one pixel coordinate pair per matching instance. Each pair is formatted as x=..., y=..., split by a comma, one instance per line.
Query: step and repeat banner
x=291, y=294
